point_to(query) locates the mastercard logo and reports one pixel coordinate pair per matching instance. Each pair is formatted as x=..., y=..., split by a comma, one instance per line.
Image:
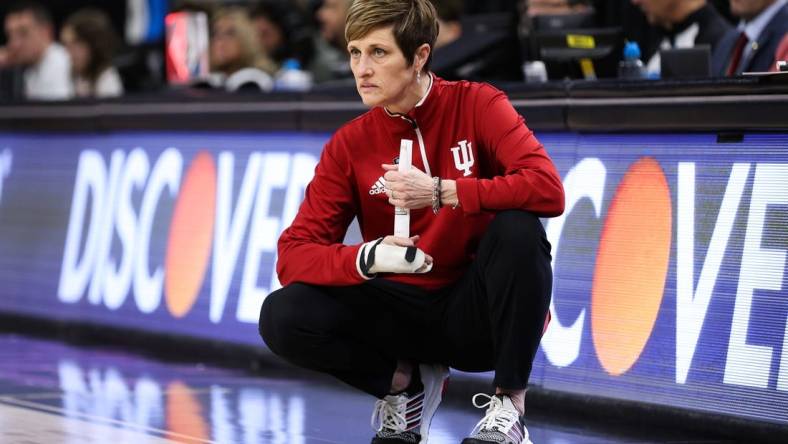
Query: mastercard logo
x=191, y=236
x=630, y=269
x=631, y=266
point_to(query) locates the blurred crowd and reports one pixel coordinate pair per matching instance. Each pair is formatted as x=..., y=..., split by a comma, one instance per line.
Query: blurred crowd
x=96, y=51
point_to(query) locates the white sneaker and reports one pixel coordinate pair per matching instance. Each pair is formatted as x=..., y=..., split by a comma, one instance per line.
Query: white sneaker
x=501, y=423
x=406, y=418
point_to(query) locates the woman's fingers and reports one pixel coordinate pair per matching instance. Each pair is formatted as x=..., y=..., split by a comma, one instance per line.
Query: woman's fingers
x=392, y=176
x=427, y=263
x=401, y=203
x=409, y=242
x=399, y=241
x=402, y=241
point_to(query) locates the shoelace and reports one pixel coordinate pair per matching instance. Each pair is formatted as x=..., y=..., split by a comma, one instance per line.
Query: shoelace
x=497, y=417
x=389, y=413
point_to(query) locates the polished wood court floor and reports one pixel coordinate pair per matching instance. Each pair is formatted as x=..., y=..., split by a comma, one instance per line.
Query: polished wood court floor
x=53, y=392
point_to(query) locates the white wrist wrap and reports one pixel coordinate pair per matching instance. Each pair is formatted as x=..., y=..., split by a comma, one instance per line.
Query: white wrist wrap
x=376, y=257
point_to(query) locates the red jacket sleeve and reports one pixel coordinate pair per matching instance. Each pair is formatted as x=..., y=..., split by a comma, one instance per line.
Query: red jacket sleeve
x=310, y=250
x=525, y=178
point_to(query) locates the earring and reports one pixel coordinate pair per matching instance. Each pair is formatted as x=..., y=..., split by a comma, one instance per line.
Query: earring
x=418, y=76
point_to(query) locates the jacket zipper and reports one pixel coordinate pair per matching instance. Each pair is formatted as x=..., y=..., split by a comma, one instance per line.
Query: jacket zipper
x=420, y=139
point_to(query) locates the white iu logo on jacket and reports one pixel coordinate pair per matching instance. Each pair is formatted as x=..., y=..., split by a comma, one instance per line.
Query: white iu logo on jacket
x=463, y=157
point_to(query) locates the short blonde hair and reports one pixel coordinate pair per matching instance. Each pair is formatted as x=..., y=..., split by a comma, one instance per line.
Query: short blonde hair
x=414, y=21
x=252, y=54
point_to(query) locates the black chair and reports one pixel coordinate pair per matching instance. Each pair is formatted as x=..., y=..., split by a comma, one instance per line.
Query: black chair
x=579, y=53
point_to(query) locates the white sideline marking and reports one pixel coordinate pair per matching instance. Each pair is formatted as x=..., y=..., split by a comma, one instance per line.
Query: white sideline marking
x=20, y=425
x=22, y=421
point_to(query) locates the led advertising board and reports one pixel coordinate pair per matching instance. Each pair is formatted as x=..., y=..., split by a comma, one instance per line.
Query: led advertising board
x=669, y=261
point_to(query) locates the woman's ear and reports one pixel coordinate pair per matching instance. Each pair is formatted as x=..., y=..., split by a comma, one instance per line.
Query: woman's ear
x=422, y=54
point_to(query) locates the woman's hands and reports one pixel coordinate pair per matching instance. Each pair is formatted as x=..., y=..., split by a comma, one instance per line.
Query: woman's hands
x=411, y=189
x=392, y=254
x=409, y=242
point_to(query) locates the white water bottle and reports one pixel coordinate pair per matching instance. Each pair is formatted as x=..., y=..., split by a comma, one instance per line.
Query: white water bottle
x=291, y=78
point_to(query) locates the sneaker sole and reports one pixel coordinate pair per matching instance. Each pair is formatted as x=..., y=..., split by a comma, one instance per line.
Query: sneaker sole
x=433, y=377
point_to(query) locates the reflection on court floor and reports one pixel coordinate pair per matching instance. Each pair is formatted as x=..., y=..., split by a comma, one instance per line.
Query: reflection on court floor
x=51, y=392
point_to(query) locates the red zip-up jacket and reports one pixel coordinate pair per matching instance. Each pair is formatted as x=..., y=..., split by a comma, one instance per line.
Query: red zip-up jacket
x=469, y=132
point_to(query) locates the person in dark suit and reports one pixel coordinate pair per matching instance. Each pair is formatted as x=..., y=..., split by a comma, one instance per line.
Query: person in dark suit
x=682, y=24
x=751, y=47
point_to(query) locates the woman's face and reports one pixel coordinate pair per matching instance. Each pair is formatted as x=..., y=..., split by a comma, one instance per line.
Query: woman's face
x=331, y=17
x=269, y=34
x=77, y=50
x=225, y=46
x=380, y=69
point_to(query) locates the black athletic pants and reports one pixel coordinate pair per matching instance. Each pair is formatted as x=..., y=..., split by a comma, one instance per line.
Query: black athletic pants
x=491, y=319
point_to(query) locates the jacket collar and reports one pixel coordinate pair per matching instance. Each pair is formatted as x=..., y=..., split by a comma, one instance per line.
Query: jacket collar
x=423, y=110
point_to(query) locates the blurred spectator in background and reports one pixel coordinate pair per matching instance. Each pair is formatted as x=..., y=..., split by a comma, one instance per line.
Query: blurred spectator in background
x=237, y=61
x=331, y=17
x=631, y=19
x=271, y=32
x=478, y=47
x=627, y=16
x=283, y=32
x=682, y=24
x=556, y=7
x=30, y=43
x=91, y=42
x=752, y=46
x=331, y=57
x=450, y=27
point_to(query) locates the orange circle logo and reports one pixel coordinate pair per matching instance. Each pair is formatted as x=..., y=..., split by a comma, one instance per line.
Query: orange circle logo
x=191, y=236
x=631, y=266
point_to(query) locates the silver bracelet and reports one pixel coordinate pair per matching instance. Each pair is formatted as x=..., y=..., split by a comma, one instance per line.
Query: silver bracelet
x=436, y=194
